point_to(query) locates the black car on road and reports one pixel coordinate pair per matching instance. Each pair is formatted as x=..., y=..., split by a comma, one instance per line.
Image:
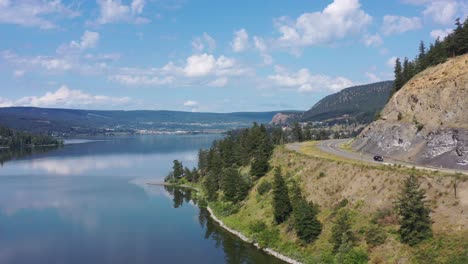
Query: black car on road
x=378, y=158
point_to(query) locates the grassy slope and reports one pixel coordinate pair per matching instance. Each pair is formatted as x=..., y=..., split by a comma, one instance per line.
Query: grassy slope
x=368, y=189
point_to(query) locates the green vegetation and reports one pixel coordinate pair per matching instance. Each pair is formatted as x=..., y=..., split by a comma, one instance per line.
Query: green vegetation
x=456, y=43
x=17, y=140
x=415, y=222
x=281, y=205
x=356, y=104
x=276, y=211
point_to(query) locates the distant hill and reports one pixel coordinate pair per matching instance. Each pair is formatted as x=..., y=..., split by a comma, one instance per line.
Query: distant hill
x=73, y=121
x=358, y=103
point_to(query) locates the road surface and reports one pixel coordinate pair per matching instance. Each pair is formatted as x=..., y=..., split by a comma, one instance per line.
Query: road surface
x=334, y=146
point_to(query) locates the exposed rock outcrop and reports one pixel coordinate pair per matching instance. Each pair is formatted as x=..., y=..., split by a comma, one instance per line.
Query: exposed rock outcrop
x=426, y=122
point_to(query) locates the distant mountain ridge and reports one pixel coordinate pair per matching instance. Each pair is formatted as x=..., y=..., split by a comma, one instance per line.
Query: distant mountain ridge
x=74, y=121
x=359, y=103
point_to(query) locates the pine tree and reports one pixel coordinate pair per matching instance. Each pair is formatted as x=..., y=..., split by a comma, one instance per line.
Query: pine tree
x=177, y=169
x=230, y=183
x=342, y=227
x=415, y=221
x=297, y=132
x=421, y=57
x=398, y=83
x=211, y=186
x=281, y=204
x=307, y=227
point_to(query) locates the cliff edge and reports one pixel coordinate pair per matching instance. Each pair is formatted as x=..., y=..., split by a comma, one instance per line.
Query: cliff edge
x=426, y=122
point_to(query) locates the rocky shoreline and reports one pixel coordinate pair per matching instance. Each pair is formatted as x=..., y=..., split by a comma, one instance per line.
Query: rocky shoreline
x=245, y=239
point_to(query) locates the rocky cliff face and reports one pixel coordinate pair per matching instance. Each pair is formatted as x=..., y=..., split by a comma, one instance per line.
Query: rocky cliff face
x=426, y=122
x=285, y=118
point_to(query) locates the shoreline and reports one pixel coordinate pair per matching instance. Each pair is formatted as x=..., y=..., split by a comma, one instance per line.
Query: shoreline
x=246, y=239
x=233, y=231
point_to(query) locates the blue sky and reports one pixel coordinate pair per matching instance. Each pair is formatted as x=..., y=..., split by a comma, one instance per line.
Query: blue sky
x=218, y=56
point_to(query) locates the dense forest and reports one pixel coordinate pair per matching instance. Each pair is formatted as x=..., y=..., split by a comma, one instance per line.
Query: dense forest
x=16, y=139
x=455, y=44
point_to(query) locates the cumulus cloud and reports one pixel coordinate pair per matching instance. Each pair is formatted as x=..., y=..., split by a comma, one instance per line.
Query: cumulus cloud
x=240, y=41
x=89, y=40
x=198, y=68
x=338, y=20
x=442, y=12
x=5, y=102
x=372, y=40
x=113, y=11
x=440, y=33
x=34, y=13
x=261, y=46
x=205, y=42
x=400, y=24
x=304, y=81
x=66, y=97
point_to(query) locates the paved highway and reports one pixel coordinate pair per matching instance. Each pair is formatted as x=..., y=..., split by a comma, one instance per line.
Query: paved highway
x=334, y=146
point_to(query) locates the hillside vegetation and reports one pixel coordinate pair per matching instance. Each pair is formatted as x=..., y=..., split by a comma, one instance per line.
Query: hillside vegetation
x=354, y=104
x=16, y=139
x=367, y=196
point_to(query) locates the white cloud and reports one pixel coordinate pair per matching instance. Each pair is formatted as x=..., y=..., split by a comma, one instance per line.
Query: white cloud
x=442, y=12
x=391, y=62
x=337, y=21
x=191, y=103
x=373, y=77
x=440, y=33
x=5, y=102
x=304, y=81
x=199, y=44
x=220, y=82
x=113, y=11
x=89, y=40
x=34, y=13
x=66, y=97
x=142, y=80
x=198, y=69
x=400, y=24
x=199, y=65
x=372, y=40
x=240, y=41
x=262, y=48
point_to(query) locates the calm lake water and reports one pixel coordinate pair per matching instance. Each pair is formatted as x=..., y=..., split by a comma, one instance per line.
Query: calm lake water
x=88, y=202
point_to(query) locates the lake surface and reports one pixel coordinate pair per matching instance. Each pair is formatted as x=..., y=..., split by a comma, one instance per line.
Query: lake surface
x=88, y=202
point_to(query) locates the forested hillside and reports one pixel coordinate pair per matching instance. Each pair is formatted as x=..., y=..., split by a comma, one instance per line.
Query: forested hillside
x=16, y=139
x=456, y=43
x=354, y=104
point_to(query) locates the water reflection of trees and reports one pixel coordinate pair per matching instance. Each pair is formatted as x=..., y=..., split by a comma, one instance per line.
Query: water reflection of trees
x=12, y=154
x=235, y=250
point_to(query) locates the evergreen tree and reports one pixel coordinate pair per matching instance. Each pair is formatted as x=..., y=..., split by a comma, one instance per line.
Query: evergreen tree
x=231, y=179
x=342, y=227
x=421, y=57
x=177, y=169
x=398, y=83
x=415, y=221
x=297, y=132
x=307, y=227
x=188, y=174
x=211, y=186
x=281, y=204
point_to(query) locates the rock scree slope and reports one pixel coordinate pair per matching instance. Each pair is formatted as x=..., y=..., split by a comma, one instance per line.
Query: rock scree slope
x=426, y=122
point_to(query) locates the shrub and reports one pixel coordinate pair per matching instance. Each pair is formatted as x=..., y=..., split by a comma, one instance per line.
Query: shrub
x=268, y=237
x=257, y=226
x=225, y=208
x=264, y=187
x=375, y=236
